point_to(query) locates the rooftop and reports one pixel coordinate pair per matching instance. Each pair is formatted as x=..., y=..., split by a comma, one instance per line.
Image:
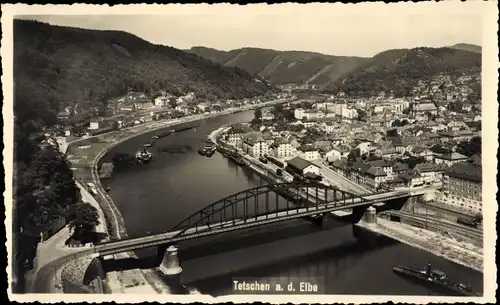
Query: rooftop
x=430, y=167
x=240, y=128
x=424, y=107
x=409, y=175
x=380, y=163
x=307, y=147
x=298, y=163
x=465, y=171
x=454, y=156
x=280, y=141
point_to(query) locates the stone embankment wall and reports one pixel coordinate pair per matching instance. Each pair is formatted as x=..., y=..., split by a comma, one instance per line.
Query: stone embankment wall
x=72, y=276
x=84, y=275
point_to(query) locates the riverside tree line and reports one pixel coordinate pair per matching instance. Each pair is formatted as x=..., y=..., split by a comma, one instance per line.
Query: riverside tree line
x=44, y=193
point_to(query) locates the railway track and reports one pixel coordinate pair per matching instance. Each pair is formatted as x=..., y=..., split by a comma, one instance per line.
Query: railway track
x=433, y=221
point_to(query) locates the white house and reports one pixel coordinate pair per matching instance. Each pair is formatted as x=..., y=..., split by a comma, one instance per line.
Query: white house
x=283, y=149
x=309, y=153
x=364, y=147
x=161, y=101
x=94, y=125
x=255, y=146
x=337, y=153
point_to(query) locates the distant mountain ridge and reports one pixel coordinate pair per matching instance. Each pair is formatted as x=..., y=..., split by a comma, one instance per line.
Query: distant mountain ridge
x=342, y=72
x=283, y=67
x=56, y=66
x=398, y=71
x=467, y=47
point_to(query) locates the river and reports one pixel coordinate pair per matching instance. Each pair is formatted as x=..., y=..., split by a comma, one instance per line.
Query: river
x=154, y=197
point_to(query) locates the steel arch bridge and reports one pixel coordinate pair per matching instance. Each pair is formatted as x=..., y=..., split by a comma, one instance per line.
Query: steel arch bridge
x=253, y=207
x=278, y=201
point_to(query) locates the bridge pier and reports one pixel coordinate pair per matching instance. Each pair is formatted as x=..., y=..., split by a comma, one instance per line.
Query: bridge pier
x=170, y=263
x=370, y=215
x=364, y=236
x=318, y=220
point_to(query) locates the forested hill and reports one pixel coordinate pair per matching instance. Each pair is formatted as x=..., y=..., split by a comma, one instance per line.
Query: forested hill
x=284, y=67
x=398, y=71
x=56, y=66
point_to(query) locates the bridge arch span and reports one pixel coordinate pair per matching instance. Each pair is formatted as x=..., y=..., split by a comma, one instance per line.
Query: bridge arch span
x=258, y=202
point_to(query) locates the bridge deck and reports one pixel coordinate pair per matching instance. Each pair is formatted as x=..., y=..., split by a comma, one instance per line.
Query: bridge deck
x=240, y=223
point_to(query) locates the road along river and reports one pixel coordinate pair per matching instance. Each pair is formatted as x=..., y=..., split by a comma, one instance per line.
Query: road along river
x=152, y=198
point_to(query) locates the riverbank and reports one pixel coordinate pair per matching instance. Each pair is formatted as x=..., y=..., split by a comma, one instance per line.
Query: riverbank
x=432, y=242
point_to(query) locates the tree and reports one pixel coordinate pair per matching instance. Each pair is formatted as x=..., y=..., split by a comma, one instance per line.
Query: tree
x=353, y=156
x=439, y=149
x=392, y=132
x=396, y=123
x=306, y=105
x=257, y=114
x=362, y=114
x=470, y=148
x=277, y=110
x=288, y=115
x=83, y=217
x=399, y=123
x=172, y=103
x=456, y=107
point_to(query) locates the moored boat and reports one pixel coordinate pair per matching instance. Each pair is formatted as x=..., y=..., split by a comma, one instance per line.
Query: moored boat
x=143, y=156
x=207, y=151
x=202, y=151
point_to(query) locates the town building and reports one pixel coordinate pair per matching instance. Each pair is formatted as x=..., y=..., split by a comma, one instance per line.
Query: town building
x=337, y=153
x=423, y=108
x=94, y=125
x=255, y=145
x=300, y=166
x=64, y=115
x=430, y=172
x=235, y=134
x=282, y=148
x=450, y=158
x=309, y=152
x=363, y=173
x=411, y=178
x=462, y=186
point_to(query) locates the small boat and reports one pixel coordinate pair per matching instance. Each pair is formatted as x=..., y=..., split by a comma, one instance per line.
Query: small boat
x=207, y=151
x=202, y=151
x=143, y=156
x=210, y=152
x=240, y=162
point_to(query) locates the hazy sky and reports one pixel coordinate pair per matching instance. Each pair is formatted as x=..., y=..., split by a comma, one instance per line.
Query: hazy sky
x=345, y=30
